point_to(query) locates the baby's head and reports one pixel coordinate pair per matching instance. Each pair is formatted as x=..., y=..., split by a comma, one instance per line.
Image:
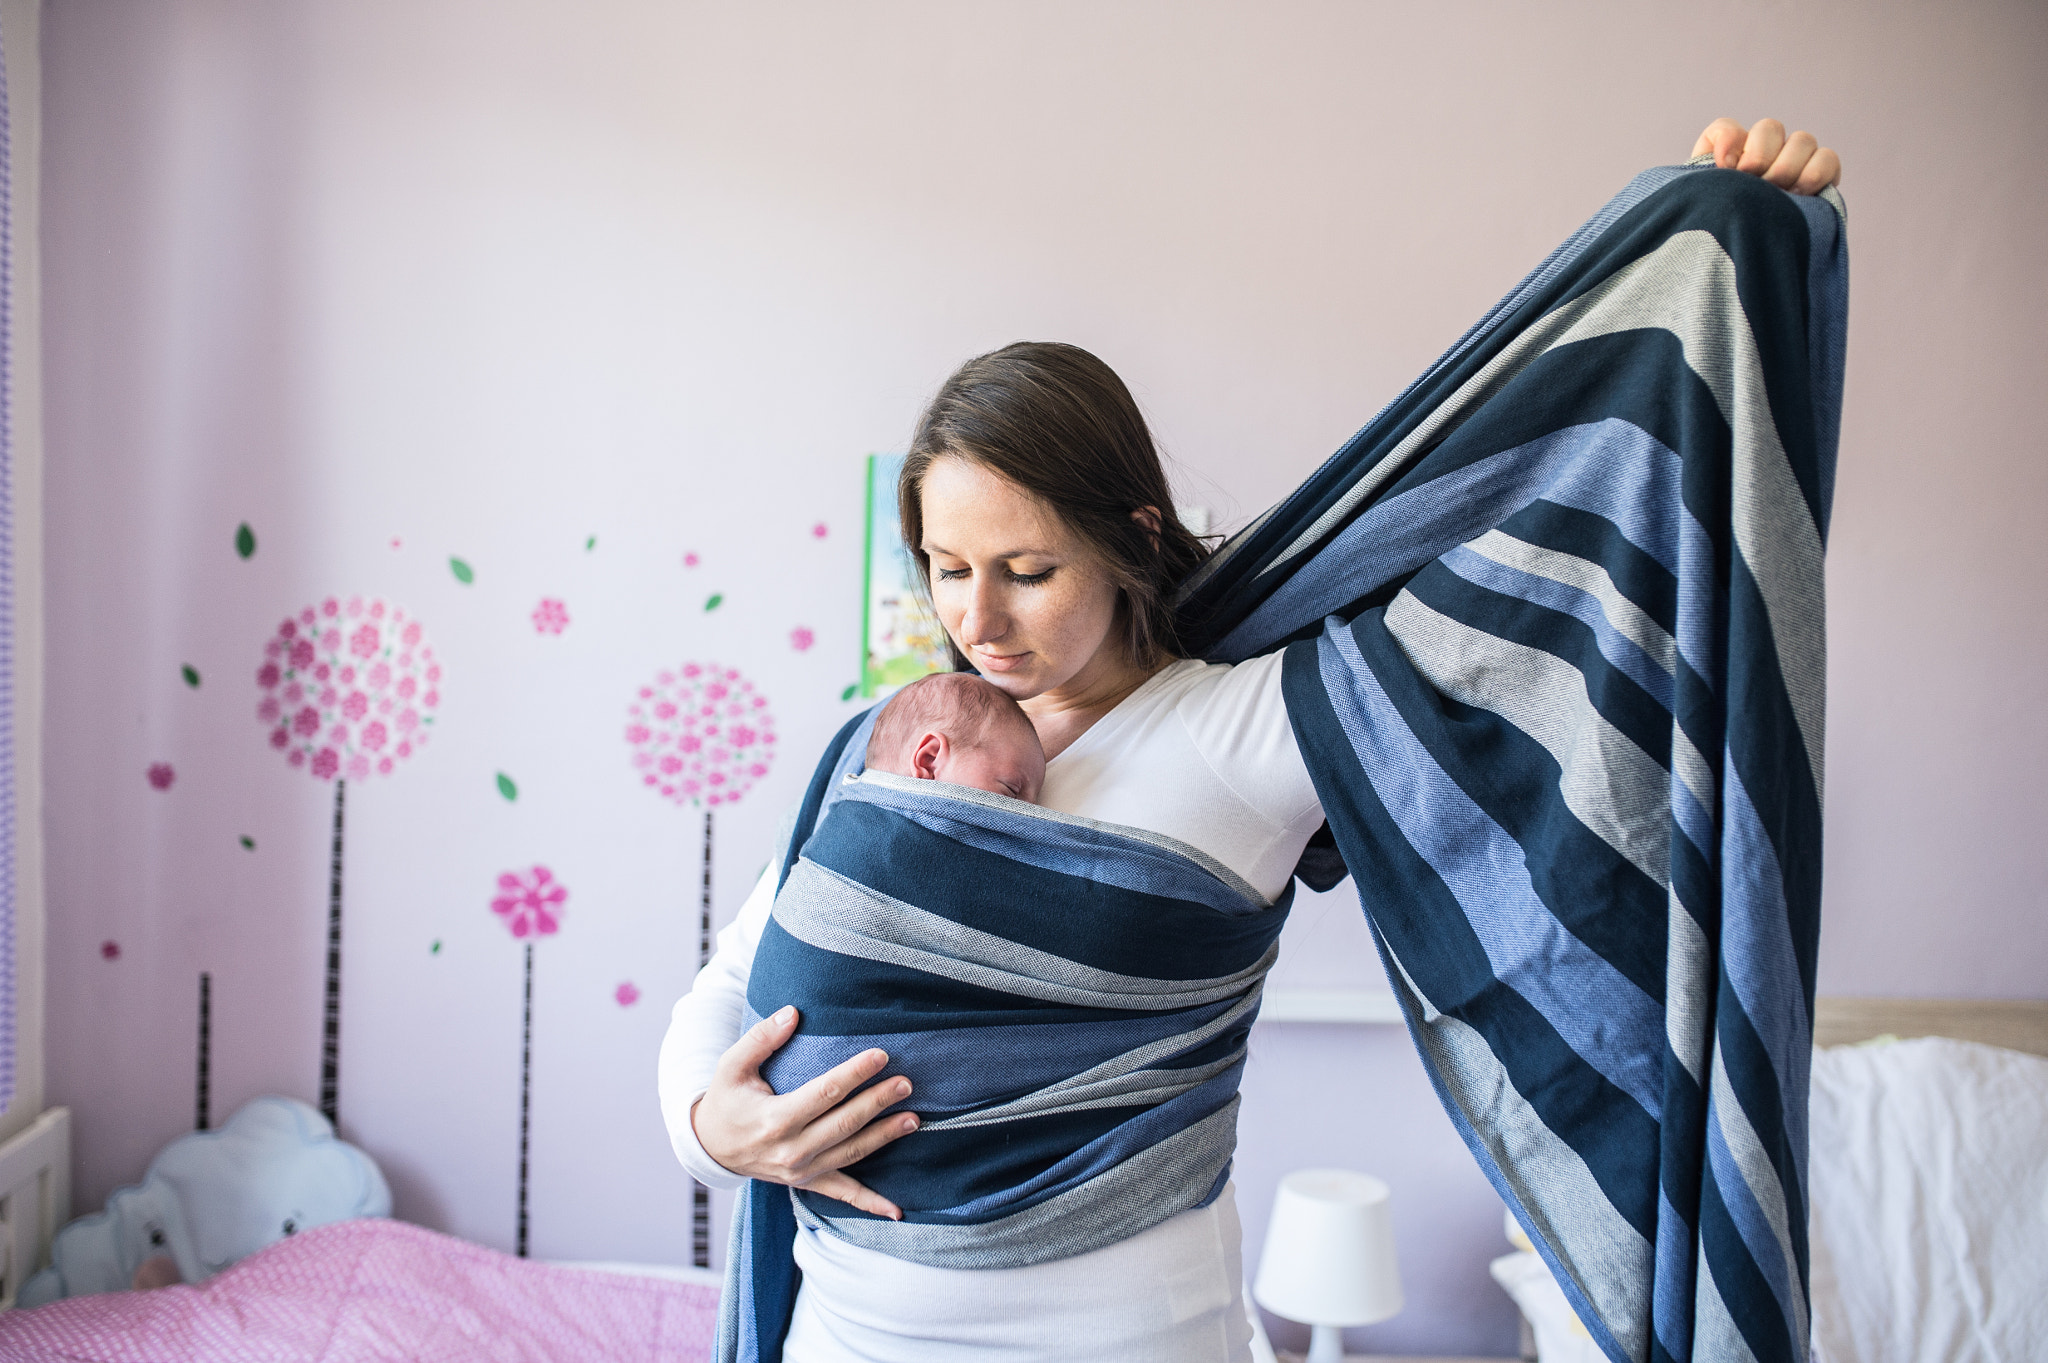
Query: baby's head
x=953, y=726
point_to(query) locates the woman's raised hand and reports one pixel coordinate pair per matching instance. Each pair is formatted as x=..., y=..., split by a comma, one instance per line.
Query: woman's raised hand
x=802, y=1138
x=1797, y=162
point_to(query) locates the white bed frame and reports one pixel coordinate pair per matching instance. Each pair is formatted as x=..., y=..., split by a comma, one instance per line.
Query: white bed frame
x=35, y=1198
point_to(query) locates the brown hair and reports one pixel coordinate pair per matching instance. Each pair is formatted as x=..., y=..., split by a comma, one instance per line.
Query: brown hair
x=965, y=708
x=1061, y=425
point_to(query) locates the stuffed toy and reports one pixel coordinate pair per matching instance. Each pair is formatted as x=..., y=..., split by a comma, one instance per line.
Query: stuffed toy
x=211, y=1198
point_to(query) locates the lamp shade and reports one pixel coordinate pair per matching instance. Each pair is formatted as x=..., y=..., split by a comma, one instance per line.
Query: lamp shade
x=1329, y=1254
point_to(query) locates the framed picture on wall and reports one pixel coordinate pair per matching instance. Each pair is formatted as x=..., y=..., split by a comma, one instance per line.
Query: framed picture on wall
x=900, y=638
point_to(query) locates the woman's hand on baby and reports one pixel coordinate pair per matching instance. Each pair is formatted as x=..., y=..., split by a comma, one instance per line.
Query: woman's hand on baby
x=805, y=1137
x=1797, y=161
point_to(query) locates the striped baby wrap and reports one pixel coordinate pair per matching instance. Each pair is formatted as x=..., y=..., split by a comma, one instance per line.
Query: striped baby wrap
x=1556, y=659
x=1070, y=999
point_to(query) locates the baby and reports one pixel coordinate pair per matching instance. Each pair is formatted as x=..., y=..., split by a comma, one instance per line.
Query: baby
x=955, y=727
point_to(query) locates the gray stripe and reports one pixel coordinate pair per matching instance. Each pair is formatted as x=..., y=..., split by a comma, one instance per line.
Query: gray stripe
x=925, y=790
x=1147, y=1087
x=1687, y=287
x=826, y=910
x=1762, y=1177
x=1157, y=1182
x=1606, y=1257
x=1625, y=615
x=1689, y=980
x=1591, y=578
x=1714, y=1333
x=1124, y=1074
x=1615, y=788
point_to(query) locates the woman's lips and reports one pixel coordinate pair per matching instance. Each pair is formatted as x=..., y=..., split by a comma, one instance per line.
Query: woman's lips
x=1003, y=662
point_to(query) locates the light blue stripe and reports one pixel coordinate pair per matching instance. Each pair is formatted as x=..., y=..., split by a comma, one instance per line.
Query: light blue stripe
x=1600, y=1013
x=1620, y=651
x=1750, y=1222
x=1758, y=959
x=1671, y=1308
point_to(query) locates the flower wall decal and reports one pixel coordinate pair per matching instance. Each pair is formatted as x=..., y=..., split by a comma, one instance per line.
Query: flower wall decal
x=550, y=616
x=529, y=903
x=348, y=689
x=700, y=734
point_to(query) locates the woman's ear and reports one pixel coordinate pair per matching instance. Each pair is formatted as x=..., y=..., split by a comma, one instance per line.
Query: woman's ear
x=1148, y=516
x=929, y=756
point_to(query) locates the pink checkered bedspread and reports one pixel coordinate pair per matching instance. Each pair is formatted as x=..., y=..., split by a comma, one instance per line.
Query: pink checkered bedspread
x=376, y=1289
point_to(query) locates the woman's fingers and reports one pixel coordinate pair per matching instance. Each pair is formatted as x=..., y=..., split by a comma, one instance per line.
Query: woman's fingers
x=1723, y=138
x=835, y=1086
x=838, y=1185
x=1799, y=148
x=1766, y=139
x=866, y=1141
x=743, y=1060
x=1823, y=170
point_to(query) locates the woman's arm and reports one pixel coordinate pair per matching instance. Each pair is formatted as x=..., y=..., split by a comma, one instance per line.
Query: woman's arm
x=1798, y=162
x=727, y=1125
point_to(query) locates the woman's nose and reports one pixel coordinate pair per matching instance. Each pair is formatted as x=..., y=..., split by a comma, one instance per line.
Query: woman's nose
x=984, y=622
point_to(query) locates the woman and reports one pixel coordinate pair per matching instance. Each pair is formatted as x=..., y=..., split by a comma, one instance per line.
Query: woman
x=1036, y=507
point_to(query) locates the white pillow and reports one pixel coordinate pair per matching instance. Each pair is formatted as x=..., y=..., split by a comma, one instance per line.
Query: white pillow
x=1929, y=1183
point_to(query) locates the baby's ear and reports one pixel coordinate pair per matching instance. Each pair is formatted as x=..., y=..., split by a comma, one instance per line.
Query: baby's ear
x=928, y=757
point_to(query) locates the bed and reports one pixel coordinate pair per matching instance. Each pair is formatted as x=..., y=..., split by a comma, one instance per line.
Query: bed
x=1928, y=1181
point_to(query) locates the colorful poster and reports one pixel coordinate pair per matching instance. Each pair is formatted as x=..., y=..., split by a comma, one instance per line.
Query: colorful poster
x=901, y=638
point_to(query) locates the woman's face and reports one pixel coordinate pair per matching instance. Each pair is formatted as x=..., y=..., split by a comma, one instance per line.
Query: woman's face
x=1023, y=598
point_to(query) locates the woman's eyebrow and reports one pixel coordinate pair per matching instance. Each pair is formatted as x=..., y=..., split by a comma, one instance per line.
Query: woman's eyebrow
x=931, y=548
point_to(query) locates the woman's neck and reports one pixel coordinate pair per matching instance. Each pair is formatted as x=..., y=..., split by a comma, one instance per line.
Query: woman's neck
x=1063, y=713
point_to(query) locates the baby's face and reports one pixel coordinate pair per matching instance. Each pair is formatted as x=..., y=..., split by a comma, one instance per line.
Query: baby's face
x=1008, y=762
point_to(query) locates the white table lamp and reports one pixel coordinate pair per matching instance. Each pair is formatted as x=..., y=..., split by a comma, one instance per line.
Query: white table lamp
x=1329, y=1256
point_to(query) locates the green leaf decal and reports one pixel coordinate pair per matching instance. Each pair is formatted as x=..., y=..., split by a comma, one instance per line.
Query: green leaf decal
x=713, y=603
x=463, y=572
x=590, y=544
x=506, y=787
x=245, y=540
x=191, y=675
x=850, y=692
x=435, y=950
x=248, y=843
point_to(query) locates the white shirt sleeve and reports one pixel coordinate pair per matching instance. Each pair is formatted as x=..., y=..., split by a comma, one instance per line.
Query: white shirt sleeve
x=704, y=1026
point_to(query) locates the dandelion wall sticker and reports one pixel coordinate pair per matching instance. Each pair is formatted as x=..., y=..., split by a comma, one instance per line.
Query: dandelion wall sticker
x=348, y=691
x=529, y=904
x=700, y=735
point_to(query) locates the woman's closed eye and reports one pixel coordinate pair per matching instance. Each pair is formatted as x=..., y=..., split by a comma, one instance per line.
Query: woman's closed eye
x=1021, y=579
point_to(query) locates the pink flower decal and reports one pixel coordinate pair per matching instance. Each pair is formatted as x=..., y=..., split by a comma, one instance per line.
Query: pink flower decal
x=691, y=560
x=161, y=775
x=110, y=950
x=801, y=639
x=550, y=616
x=819, y=531
x=627, y=994
x=320, y=686
x=700, y=734
x=529, y=903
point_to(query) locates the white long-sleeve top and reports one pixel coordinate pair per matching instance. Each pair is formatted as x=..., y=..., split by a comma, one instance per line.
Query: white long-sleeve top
x=1203, y=753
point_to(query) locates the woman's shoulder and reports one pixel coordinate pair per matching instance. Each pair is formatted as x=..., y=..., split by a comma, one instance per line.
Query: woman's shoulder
x=1234, y=715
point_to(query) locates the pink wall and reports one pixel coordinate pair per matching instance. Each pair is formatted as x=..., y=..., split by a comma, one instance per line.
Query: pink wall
x=466, y=273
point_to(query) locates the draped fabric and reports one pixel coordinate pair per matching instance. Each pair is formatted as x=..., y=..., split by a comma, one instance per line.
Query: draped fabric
x=1555, y=657
x=1070, y=999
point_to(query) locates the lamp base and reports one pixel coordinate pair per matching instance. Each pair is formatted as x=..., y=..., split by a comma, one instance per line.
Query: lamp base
x=1326, y=1345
